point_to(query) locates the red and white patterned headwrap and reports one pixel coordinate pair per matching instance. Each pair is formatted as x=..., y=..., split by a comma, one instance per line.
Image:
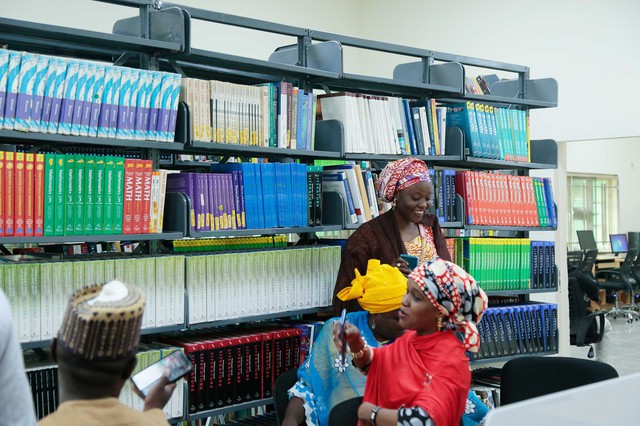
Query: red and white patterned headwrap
x=399, y=175
x=456, y=295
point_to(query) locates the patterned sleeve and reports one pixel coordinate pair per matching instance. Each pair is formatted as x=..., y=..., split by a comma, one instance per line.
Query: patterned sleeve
x=302, y=390
x=414, y=416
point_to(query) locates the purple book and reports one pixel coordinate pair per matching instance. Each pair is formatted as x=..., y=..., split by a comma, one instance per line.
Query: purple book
x=218, y=214
x=229, y=205
x=201, y=202
x=115, y=102
x=81, y=90
x=68, y=98
x=238, y=195
x=166, y=92
x=13, y=70
x=211, y=202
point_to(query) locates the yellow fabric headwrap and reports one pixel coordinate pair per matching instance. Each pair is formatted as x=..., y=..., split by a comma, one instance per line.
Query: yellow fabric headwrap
x=380, y=290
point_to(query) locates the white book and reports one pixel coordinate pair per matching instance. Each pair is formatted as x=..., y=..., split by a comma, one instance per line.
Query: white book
x=264, y=290
x=87, y=101
x=114, y=112
x=137, y=85
x=35, y=312
x=23, y=301
x=270, y=259
x=168, y=310
x=426, y=135
x=193, y=289
x=161, y=291
x=127, y=80
x=100, y=128
x=170, y=132
x=26, y=81
x=149, y=264
x=201, y=301
x=442, y=127
x=78, y=104
x=46, y=300
x=155, y=99
x=69, y=91
x=210, y=283
x=205, y=110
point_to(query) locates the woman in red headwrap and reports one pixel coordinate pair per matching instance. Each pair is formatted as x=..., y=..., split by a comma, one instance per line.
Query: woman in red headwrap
x=423, y=378
x=405, y=229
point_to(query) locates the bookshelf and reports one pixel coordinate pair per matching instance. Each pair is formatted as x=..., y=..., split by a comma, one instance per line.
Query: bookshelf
x=314, y=61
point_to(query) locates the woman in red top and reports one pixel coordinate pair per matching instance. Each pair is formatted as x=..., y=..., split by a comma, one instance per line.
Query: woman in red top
x=423, y=378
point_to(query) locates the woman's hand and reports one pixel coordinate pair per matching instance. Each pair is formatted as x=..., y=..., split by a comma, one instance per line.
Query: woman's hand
x=352, y=336
x=402, y=265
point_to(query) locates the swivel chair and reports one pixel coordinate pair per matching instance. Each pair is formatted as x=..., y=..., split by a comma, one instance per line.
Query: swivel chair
x=585, y=328
x=529, y=377
x=621, y=279
x=583, y=271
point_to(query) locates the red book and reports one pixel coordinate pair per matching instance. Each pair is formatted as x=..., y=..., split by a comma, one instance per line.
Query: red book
x=38, y=196
x=267, y=364
x=129, y=177
x=2, y=196
x=137, y=196
x=7, y=192
x=146, y=195
x=29, y=190
x=19, y=193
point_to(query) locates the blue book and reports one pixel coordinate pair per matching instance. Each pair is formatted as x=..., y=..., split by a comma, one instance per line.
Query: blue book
x=269, y=201
x=463, y=116
x=251, y=185
x=11, y=94
x=551, y=205
x=283, y=192
x=410, y=129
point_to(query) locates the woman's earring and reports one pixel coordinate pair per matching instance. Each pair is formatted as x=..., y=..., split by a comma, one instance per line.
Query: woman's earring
x=373, y=324
x=439, y=324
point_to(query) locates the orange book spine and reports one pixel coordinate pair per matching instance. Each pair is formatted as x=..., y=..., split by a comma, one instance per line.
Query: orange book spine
x=146, y=195
x=38, y=196
x=29, y=191
x=19, y=193
x=137, y=196
x=7, y=192
x=129, y=183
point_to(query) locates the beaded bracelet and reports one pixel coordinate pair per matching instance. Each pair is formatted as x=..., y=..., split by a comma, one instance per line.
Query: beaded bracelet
x=360, y=353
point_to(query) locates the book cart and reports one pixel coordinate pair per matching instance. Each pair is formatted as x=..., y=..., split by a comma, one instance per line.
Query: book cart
x=160, y=39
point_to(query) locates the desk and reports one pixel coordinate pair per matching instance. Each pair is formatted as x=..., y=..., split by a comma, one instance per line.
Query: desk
x=608, y=261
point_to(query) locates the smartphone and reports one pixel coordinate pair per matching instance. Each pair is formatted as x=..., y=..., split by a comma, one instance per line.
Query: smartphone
x=343, y=335
x=176, y=363
x=411, y=260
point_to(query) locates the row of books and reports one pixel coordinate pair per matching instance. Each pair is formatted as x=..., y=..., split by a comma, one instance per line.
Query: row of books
x=43, y=382
x=49, y=94
x=481, y=85
x=515, y=330
x=444, y=194
x=356, y=188
x=226, y=244
x=507, y=264
x=246, y=196
x=268, y=115
x=386, y=125
x=506, y=200
x=233, y=285
x=39, y=291
x=233, y=366
x=492, y=132
x=77, y=194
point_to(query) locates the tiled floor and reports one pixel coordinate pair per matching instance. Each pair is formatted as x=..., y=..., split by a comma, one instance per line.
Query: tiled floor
x=620, y=347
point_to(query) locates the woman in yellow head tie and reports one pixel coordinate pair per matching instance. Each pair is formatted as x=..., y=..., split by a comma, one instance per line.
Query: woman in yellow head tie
x=325, y=379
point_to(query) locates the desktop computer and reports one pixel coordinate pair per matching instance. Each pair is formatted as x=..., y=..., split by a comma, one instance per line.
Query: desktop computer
x=587, y=240
x=619, y=243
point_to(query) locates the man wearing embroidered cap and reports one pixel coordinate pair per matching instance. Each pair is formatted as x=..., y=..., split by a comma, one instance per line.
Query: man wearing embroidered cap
x=405, y=229
x=424, y=377
x=324, y=379
x=96, y=353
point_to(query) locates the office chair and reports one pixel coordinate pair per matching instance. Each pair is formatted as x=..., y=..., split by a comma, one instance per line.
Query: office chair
x=585, y=328
x=529, y=377
x=345, y=413
x=634, y=240
x=280, y=388
x=583, y=271
x=621, y=279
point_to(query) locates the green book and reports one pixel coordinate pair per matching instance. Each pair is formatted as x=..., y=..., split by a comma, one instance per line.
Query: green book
x=118, y=198
x=109, y=193
x=89, y=197
x=99, y=195
x=79, y=195
x=49, y=194
x=69, y=193
x=59, y=194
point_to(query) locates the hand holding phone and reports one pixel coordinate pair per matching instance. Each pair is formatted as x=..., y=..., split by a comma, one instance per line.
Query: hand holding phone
x=411, y=260
x=343, y=335
x=173, y=366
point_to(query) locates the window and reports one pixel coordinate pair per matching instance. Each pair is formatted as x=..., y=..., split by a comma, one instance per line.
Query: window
x=593, y=204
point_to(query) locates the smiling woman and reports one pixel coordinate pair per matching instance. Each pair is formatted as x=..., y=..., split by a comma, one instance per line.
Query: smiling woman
x=405, y=229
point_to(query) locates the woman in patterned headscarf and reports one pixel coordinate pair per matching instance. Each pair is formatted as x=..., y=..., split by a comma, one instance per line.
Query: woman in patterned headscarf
x=424, y=377
x=406, y=228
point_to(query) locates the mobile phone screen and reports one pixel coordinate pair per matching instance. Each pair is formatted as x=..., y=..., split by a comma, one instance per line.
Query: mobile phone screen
x=343, y=320
x=177, y=363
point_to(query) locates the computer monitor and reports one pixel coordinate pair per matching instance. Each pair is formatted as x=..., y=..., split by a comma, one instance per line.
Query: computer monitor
x=619, y=243
x=587, y=240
